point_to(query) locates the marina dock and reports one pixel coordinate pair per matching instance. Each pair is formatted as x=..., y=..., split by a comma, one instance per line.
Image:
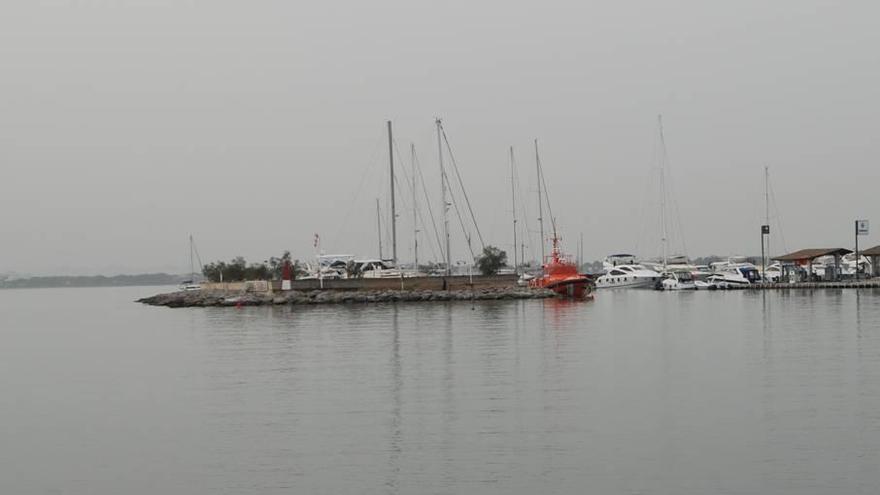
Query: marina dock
x=873, y=283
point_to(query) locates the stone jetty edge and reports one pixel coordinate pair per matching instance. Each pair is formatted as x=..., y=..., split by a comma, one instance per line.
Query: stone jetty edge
x=189, y=299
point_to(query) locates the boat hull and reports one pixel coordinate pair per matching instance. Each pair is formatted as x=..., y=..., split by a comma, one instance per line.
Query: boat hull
x=579, y=288
x=632, y=283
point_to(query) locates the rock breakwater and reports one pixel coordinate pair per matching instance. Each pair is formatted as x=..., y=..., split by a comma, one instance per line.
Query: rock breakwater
x=186, y=299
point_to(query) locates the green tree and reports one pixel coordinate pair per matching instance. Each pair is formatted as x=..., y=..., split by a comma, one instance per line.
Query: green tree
x=236, y=270
x=491, y=260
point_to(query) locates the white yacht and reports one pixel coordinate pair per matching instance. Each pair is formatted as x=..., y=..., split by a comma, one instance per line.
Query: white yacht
x=677, y=280
x=773, y=273
x=735, y=275
x=701, y=274
x=627, y=276
x=376, y=268
x=328, y=267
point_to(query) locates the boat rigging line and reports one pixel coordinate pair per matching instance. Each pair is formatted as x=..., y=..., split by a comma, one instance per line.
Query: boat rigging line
x=777, y=215
x=543, y=184
x=542, y=200
x=373, y=161
x=194, y=252
x=461, y=186
x=418, y=169
x=526, y=233
x=413, y=183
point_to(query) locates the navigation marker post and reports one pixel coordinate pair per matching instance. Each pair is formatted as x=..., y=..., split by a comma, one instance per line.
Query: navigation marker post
x=765, y=231
x=861, y=229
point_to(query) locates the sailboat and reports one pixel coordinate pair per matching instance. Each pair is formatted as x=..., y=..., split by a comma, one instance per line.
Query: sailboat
x=190, y=285
x=676, y=271
x=560, y=272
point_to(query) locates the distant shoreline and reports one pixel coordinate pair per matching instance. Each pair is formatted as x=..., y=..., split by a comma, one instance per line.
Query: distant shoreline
x=87, y=281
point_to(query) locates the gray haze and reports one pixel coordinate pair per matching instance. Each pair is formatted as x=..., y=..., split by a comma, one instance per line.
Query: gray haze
x=127, y=125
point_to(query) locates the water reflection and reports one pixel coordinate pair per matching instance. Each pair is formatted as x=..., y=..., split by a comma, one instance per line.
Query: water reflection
x=635, y=392
x=395, y=434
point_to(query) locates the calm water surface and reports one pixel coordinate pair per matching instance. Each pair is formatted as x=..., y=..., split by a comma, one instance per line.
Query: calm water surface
x=637, y=392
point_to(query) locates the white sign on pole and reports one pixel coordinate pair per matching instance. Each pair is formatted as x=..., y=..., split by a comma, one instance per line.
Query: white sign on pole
x=861, y=227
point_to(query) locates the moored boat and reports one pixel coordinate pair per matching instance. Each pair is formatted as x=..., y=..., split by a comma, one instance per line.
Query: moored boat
x=677, y=280
x=736, y=272
x=191, y=284
x=561, y=275
x=622, y=272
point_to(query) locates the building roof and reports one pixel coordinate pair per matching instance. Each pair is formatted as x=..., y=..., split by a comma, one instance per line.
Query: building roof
x=809, y=254
x=874, y=251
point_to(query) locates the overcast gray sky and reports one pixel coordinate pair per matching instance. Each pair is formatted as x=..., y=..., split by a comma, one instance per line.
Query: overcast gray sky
x=253, y=125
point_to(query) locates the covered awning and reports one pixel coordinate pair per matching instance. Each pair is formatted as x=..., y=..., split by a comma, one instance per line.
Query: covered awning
x=874, y=251
x=874, y=254
x=806, y=255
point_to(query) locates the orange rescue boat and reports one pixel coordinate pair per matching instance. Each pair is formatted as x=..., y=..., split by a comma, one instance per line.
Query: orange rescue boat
x=561, y=276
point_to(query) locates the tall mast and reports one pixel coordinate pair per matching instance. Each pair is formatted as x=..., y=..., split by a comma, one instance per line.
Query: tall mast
x=412, y=152
x=379, y=226
x=445, y=204
x=664, y=240
x=192, y=266
x=540, y=201
x=513, y=206
x=767, y=204
x=393, y=209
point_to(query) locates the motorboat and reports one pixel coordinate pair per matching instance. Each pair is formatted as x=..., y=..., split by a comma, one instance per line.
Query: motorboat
x=735, y=275
x=189, y=285
x=772, y=273
x=562, y=277
x=701, y=274
x=525, y=279
x=376, y=268
x=627, y=276
x=676, y=280
x=329, y=267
